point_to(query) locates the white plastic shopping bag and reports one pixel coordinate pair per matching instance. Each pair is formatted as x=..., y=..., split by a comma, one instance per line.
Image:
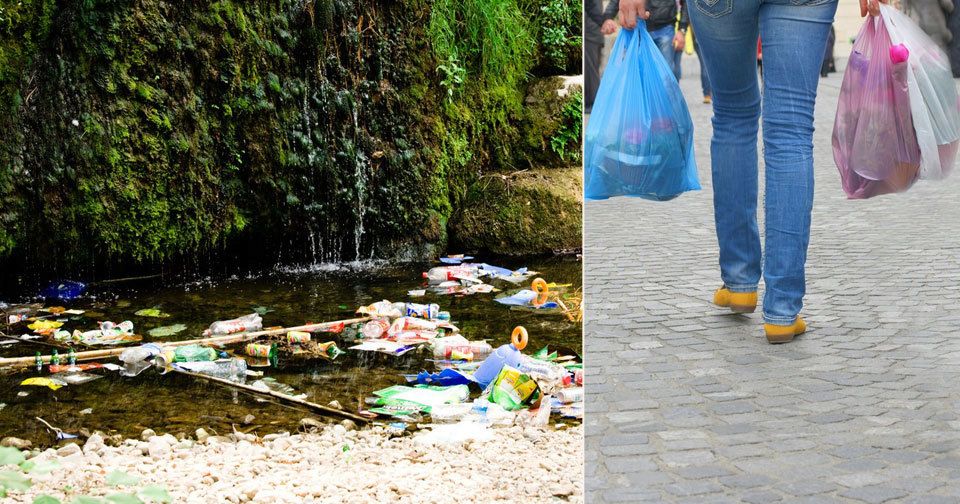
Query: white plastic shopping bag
x=933, y=95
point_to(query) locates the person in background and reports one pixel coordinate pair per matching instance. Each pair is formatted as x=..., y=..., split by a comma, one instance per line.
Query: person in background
x=828, y=65
x=795, y=36
x=704, y=78
x=660, y=25
x=594, y=17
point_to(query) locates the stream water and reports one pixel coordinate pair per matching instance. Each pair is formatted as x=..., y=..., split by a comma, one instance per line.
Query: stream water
x=179, y=404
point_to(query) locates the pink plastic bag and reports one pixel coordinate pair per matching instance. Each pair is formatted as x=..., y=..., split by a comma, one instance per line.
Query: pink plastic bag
x=874, y=142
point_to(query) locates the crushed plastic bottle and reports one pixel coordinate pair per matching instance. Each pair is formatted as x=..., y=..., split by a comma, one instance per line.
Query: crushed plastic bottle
x=246, y=323
x=135, y=359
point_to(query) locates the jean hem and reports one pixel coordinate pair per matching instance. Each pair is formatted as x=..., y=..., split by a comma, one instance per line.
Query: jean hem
x=740, y=288
x=779, y=319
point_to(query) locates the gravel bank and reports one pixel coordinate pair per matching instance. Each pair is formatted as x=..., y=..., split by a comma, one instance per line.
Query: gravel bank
x=333, y=465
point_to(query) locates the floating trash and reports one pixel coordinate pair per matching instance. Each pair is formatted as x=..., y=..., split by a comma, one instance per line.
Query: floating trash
x=151, y=312
x=165, y=331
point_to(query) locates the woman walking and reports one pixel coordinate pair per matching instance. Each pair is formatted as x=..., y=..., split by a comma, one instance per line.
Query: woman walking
x=794, y=35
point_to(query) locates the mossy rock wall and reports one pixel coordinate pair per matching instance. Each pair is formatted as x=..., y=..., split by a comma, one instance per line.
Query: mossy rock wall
x=532, y=211
x=142, y=131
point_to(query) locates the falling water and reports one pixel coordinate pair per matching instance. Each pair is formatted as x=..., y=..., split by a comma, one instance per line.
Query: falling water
x=359, y=159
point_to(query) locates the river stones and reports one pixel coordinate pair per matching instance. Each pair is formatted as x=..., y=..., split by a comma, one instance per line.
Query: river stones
x=14, y=442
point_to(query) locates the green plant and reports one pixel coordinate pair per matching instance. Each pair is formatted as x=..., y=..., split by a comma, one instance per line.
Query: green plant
x=453, y=75
x=568, y=135
x=555, y=30
x=489, y=37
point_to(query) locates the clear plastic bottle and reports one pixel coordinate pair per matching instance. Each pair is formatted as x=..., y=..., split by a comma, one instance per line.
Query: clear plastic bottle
x=246, y=323
x=375, y=328
x=411, y=324
x=441, y=274
x=229, y=369
x=570, y=395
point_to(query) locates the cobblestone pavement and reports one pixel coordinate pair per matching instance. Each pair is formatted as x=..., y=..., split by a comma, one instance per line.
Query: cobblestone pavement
x=688, y=403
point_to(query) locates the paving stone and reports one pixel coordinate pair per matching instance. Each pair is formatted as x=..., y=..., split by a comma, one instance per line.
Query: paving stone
x=874, y=494
x=688, y=403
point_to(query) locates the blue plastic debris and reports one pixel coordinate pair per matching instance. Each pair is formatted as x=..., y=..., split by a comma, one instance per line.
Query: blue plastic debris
x=445, y=378
x=525, y=298
x=455, y=260
x=65, y=290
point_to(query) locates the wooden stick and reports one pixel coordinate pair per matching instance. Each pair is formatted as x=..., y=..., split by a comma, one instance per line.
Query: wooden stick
x=127, y=279
x=326, y=410
x=215, y=340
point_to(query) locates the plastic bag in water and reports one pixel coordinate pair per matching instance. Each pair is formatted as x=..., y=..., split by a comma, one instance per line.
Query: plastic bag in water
x=639, y=139
x=874, y=141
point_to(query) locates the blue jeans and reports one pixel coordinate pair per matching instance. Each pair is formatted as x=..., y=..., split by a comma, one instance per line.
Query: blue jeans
x=663, y=37
x=794, y=34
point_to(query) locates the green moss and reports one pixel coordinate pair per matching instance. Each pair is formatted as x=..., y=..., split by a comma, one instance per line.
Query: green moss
x=531, y=212
x=145, y=132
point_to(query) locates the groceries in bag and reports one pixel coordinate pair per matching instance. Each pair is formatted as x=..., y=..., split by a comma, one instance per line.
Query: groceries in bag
x=874, y=142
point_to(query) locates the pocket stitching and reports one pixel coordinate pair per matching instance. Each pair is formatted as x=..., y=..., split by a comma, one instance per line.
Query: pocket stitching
x=703, y=5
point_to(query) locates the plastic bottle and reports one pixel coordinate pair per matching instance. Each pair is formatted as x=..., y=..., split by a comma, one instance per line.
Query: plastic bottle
x=505, y=355
x=472, y=351
x=570, y=395
x=39, y=361
x=72, y=358
x=410, y=324
x=229, y=369
x=375, y=328
x=446, y=273
x=135, y=359
x=426, y=311
x=55, y=357
x=547, y=370
x=246, y=323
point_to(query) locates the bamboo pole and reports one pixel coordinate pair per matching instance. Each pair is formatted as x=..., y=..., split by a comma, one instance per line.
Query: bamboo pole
x=216, y=340
x=326, y=410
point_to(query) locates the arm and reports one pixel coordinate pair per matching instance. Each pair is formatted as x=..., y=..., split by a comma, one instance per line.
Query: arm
x=684, y=16
x=611, y=11
x=594, y=11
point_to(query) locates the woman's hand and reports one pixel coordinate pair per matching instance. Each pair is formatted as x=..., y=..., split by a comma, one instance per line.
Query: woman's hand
x=871, y=7
x=609, y=26
x=679, y=41
x=631, y=9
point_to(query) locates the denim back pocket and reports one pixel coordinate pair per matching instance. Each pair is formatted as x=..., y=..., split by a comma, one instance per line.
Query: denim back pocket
x=718, y=8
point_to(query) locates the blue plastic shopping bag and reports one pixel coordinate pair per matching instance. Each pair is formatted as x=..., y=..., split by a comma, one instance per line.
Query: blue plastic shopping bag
x=639, y=140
